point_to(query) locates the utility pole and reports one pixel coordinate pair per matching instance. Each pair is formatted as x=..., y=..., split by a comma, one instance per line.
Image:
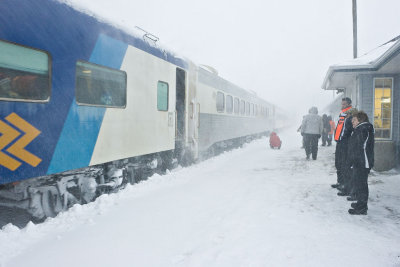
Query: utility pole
x=354, y=28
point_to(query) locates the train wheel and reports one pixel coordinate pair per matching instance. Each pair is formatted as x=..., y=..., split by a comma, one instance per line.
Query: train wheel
x=51, y=203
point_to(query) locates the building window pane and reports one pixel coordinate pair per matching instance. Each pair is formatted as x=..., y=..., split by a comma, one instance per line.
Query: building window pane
x=220, y=102
x=229, y=104
x=162, y=96
x=24, y=73
x=236, y=105
x=242, y=107
x=100, y=86
x=383, y=108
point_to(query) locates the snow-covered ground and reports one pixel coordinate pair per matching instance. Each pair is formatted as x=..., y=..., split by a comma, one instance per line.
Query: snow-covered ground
x=249, y=207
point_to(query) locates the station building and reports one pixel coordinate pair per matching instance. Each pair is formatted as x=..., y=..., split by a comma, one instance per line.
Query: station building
x=372, y=81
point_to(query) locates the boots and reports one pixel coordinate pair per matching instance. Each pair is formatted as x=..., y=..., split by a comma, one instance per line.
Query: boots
x=358, y=211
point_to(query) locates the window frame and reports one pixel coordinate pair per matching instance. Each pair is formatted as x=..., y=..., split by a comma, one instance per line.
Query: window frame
x=163, y=82
x=216, y=102
x=97, y=105
x=238, y=106
x=391, y=108
x=226, y=104
x=49, y=64
x=247, y=108
x=242, y=112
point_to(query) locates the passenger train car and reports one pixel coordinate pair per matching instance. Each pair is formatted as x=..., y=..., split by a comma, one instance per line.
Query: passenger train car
x=86, y=107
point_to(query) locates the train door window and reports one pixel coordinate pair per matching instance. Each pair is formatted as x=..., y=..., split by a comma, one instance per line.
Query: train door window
x=236, y=106
x=24, y=73
x=252, y=109
x=162, y=96
x=98, y=85
x=242, y=107
x=247, y=109
x=229, y=104
x=220, y=102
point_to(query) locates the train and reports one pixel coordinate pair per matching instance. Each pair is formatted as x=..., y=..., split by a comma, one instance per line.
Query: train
x=87, y=107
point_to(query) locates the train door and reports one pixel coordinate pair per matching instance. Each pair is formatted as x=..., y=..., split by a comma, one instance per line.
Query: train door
x=180, y=111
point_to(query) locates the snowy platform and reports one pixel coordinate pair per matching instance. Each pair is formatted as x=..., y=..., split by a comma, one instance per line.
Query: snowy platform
x=253, y=206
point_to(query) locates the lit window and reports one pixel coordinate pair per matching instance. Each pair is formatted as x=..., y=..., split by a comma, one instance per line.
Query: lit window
x=229, y=104
x=220, y=102
x=383, y=108
x=100, y=86
x=24, y=73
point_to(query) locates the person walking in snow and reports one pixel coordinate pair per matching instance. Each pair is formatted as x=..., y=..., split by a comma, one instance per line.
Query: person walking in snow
x=361, y=157
x=330, y=133
x=325, y=130
x=311, y=130
x=342, y=134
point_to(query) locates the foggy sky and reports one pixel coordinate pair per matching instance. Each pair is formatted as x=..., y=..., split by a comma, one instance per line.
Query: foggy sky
x=281, y=49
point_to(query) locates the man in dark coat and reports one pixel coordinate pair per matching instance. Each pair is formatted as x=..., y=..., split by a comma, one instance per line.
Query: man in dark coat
x=342, y=134
x=361, y=157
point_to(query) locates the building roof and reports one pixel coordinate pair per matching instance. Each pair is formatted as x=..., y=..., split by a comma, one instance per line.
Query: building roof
x=371, y=61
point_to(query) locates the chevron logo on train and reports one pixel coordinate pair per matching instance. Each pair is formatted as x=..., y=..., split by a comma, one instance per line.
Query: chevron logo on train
x=7, y=136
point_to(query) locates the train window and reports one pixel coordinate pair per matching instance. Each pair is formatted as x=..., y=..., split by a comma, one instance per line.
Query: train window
x=252, y=109
x=100, y=86
x=162, y=96
x=229, y=104
x=236, y=105
x=242, y=105
x=247, y=109
x=220, y=102
x=24, y=73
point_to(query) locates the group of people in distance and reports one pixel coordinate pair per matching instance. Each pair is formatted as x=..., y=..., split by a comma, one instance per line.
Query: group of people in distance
x=354, y=155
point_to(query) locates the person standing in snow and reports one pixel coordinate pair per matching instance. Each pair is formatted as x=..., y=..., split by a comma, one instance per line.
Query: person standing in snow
x=311, y=130
x=326, y=129
x=343, y=131
x=361, y=157
x=330, y=133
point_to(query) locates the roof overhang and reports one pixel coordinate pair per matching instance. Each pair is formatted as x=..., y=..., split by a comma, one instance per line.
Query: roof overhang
x=384, y=59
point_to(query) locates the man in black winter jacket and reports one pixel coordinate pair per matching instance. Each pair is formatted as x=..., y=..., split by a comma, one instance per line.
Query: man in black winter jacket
x=342, y=134
x=361, y=157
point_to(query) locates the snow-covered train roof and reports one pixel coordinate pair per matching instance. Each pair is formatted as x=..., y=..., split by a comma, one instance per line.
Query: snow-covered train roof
x=214, y=80
x=153, y=47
